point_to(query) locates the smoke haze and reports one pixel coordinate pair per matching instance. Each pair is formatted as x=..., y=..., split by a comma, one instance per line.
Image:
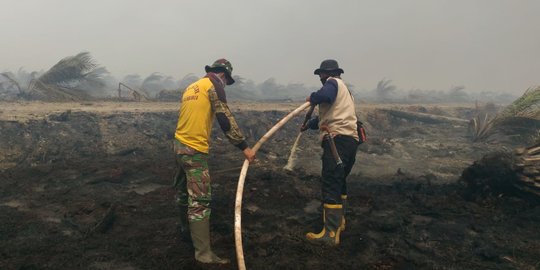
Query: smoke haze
x=483, y=45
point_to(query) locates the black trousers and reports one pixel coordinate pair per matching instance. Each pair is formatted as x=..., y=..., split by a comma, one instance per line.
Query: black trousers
x=334, y=182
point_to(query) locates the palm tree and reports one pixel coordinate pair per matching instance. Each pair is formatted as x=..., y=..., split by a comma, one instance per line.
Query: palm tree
x=10, y=77
x=133, y=80
x=187, y=80
x=153, y=83
x=240, y=90
x=384, y=88
x=69, y=69
x=525, y=107
x=67, y=79
x=458, y=94
x=20, y=80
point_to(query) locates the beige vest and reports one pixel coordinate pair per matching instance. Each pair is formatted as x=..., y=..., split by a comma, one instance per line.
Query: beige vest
x=340, y=116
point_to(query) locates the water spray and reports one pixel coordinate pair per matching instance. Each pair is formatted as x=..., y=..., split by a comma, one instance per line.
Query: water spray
x=291, y=162
x=293, y=156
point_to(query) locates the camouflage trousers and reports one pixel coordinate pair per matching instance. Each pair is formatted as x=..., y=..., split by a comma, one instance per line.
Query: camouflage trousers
x=192, y=180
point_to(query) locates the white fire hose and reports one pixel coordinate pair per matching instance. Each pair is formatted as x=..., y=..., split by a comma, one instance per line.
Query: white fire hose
x=240, y=188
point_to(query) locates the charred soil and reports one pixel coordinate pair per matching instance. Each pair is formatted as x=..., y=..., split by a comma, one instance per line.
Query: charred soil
x=92, y=189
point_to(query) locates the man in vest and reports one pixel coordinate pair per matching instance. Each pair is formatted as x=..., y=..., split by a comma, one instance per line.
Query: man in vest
x=200, y=102
x=339, y=135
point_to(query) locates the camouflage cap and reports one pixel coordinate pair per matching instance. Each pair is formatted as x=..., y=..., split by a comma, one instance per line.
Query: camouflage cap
x=222, y=65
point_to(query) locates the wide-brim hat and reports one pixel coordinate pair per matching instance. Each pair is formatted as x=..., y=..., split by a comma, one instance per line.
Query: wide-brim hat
x=222, y=65
x=328, y=65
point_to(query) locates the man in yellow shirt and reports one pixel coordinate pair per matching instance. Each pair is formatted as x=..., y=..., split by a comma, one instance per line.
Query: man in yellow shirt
x=200, y=102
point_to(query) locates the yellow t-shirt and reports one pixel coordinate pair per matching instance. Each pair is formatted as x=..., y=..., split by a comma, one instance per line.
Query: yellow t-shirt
x=196, y=117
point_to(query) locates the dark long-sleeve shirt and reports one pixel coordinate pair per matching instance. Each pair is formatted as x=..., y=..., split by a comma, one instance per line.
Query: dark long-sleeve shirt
x=327, y=93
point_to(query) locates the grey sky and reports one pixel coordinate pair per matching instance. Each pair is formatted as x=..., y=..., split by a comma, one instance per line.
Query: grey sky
x=485, y=45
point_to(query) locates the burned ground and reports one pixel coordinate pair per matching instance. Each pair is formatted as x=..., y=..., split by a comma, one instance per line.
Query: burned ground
x=92, y=190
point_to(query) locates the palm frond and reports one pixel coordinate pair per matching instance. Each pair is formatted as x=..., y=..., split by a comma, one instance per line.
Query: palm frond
x=482, y=127
x=526, y=106
x=24, y=77
x=11, y=78
x=153, y=84
x=95, y=78
x=187, y=80
x=69, y=69
x=384, y=88
x=41, y=90
x=153, y=78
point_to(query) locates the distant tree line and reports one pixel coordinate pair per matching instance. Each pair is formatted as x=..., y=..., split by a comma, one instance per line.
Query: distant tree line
x=386, y=92
x=80, y=77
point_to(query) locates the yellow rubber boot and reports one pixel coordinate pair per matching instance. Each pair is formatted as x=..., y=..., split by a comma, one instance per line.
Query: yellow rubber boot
x=344, y=204
x=200, y=234
x=332, y=217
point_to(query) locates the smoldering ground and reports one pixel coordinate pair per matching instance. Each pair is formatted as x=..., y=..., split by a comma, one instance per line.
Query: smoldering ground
x=92, y=189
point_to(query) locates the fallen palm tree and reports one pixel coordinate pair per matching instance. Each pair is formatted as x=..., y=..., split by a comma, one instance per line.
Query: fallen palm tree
x=528, y=168
x=525, y=108
x=504, y=173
